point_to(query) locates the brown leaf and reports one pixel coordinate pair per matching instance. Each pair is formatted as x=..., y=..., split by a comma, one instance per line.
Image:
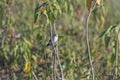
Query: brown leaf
x=89, y=4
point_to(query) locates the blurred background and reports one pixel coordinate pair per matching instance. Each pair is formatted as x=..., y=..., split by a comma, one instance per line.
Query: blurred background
x=23, y=51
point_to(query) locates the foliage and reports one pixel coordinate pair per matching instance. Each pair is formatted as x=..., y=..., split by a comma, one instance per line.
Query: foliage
x=25, y=31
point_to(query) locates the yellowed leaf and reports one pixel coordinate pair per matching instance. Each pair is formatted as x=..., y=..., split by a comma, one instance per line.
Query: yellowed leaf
x=27, y=67
x=27, y=42
x=102, y=22
x=98, y=1
x=34, y=58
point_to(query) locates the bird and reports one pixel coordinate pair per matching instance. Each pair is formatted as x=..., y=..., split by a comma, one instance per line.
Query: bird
x=54, y=40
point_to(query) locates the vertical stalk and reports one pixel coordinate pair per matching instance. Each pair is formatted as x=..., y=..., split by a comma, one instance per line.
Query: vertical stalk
x=116, y=54
x=87, y=41
x=88, y=46
x=54, y=53
x=54, y=65
x=59, y=63
x=57, y=56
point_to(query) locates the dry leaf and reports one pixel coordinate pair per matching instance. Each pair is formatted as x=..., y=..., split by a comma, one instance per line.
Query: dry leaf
x=97, y=1
x=43, y=8
x=89, y=4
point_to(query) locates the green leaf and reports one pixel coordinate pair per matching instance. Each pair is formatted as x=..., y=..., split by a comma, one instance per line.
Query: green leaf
x=36, y=14
x=35, y=17
x=103, y=33
x=106, y=31
x=113, y=58
x=39, y=37
x=107, y=41
x=50, y=14
x=37, y=11
x=56, y=9
x=1, y=14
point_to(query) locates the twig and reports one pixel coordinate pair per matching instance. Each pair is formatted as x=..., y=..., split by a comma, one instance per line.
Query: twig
x=61, y=70
x=46, y=63
x=57, y=55
x=54, y=54
x=116, y=53
x=87, y=42
x=54, y=65
x=34, y=76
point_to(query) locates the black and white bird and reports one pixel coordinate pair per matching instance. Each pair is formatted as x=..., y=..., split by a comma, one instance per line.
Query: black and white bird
x=54, y=40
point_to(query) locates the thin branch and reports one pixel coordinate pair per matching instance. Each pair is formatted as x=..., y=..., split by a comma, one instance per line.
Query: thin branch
x=54, y=65
x=60, y=66
x=116, y=53
x=57, y=55
x=46, y=63
x=55, y=28
x=54, y=54
x=34, y=76
x=87, y=42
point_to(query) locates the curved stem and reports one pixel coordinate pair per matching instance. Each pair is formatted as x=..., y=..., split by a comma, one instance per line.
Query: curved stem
x=88, y=45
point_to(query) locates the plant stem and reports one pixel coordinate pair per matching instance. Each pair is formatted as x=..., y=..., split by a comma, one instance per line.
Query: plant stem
x=59, y=63
x=34, y=76
x=87, y=42
x=54, y=65
x=116, y=53
x=54, y=53
x=57, y=55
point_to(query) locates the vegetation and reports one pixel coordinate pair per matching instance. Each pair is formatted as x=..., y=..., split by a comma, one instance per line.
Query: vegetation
x=27, y=25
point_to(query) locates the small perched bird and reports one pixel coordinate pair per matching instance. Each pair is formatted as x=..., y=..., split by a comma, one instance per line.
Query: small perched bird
x=54, y=38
